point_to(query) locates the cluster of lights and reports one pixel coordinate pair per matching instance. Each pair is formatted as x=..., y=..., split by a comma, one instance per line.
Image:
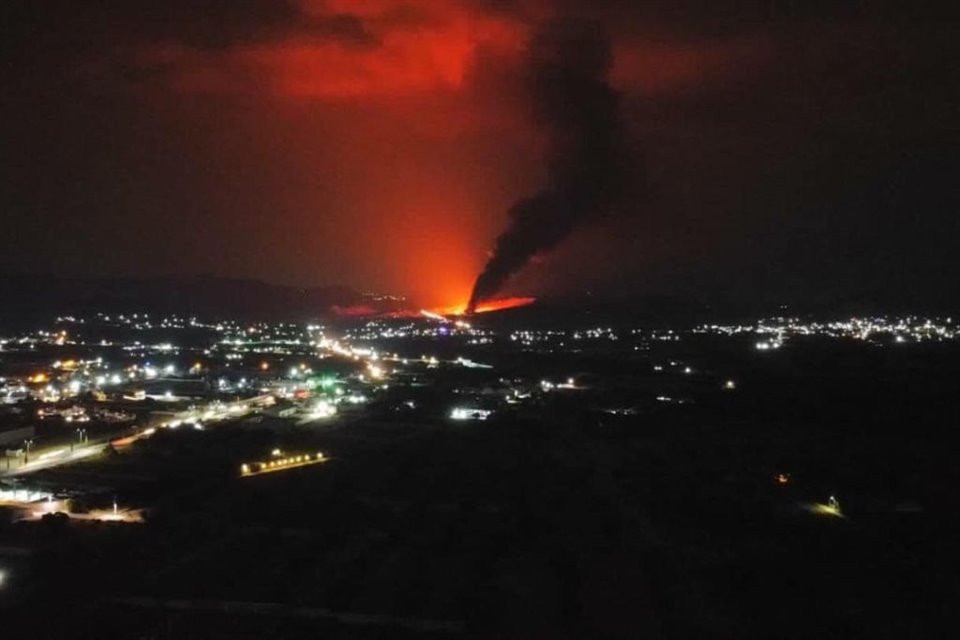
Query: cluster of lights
x=281, y=461
x=528, y=337
x=68, y=378
x=768, y=345
x=466, y=413
x=369, y=356
x=569, y=383
x=75, y=413
x=384, y=297
x=385, y=329
x=323, y=409
x=599, y=333
x=594, y=336
x=661, y=335
x=879, y=329
x=141, y=321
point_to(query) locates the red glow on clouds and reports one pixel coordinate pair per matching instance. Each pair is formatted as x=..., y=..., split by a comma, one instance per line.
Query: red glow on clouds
x=395, y=152
x=414, y=47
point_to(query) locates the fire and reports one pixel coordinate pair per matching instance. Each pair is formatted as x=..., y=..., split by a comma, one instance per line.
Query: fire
x=484, y=306
x=503, y=303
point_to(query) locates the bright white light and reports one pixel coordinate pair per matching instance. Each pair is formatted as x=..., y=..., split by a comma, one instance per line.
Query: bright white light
x=170, y=370
x=461, y=413
x=74, y=386
x=323, y=409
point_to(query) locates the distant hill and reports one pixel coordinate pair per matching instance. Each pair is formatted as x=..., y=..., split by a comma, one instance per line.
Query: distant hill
x=38, y=297
x=41, y=295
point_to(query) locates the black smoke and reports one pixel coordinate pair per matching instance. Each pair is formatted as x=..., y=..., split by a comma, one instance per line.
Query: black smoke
x=573, y=103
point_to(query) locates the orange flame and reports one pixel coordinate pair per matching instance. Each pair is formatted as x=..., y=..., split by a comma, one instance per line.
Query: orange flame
x=485, y=306
x=503, y=303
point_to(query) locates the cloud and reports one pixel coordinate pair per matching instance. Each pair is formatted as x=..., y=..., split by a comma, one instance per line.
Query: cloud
x=343, y=50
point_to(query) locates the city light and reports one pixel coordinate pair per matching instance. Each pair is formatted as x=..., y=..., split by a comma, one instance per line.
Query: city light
x=323, y=409
x=289, y=461
x=462, y=413
x=359, y=371
x=825, y=510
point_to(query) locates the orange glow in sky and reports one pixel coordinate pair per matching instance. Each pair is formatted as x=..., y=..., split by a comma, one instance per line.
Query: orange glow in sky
x=394, y=150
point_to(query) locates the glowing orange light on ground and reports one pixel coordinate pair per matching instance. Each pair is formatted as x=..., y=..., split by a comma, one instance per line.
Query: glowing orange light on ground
x=486, y=306
x=503, y=303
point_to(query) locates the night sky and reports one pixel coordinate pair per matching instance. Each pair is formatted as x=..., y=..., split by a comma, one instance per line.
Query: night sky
x=772, y=150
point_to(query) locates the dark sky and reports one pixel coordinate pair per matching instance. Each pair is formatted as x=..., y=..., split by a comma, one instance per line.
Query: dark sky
x=781, y=150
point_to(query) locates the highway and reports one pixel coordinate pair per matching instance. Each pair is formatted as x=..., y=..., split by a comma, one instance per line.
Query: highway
x=64, y=453
x=53, y=457
x=56, y=455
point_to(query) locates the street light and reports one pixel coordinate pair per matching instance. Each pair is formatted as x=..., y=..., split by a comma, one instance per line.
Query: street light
x=82, y=436
x=26, y=455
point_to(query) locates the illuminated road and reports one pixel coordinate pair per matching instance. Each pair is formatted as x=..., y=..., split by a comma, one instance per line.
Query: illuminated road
x=53, y=458
x=64, y=454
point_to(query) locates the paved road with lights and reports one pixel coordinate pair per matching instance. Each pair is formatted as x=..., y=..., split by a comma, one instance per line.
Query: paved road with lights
x=53, y=458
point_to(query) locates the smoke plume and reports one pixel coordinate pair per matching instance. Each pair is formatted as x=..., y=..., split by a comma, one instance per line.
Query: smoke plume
x=574, y=105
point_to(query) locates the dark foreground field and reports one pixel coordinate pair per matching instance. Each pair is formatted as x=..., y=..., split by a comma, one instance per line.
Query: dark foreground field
x=665, y=524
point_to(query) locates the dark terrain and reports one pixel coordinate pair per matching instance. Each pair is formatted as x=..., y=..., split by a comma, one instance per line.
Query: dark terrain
x=561, y=522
